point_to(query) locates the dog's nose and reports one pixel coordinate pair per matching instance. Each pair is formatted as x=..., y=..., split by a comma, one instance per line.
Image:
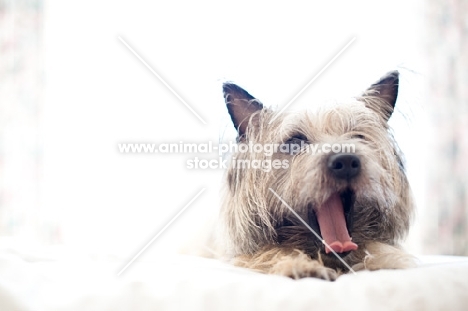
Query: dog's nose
x=344, y=165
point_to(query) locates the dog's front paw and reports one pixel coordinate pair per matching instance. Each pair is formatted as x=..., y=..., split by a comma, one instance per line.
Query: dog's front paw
x=382, y=256
x=298, y=269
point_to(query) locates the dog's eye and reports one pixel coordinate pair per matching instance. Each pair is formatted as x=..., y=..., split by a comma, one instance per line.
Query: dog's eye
x=297, y=139
x=359, y=136
x=294, y=144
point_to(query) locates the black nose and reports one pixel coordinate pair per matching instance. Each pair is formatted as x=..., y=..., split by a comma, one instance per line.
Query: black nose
x=344, y=165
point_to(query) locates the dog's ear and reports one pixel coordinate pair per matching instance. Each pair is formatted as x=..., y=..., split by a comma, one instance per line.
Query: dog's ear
x=386, y=90
x=241, y=105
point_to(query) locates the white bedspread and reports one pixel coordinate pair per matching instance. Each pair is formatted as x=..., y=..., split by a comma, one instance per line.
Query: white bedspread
x=193, y=283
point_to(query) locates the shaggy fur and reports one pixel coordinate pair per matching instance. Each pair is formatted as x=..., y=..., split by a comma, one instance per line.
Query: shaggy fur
x=258, y=230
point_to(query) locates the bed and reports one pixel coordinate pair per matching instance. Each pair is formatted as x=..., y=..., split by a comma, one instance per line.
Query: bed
x=182, y=282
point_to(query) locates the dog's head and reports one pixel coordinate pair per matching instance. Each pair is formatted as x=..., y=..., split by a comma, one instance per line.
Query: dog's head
x=337, y=167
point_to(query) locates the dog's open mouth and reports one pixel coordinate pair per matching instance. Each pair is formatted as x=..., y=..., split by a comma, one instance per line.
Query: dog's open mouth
x=334, y=219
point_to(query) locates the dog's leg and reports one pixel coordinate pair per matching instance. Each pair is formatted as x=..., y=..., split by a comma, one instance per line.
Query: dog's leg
x=383, y=256
x=289, y=262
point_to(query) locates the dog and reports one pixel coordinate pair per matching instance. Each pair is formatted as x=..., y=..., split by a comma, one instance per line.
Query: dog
x=316, y=214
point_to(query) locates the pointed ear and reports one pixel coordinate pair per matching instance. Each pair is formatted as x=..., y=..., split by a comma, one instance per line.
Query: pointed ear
x=241, y=105
x=386, y=92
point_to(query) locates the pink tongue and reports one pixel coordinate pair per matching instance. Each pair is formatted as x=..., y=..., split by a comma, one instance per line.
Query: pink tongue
x=332, y=224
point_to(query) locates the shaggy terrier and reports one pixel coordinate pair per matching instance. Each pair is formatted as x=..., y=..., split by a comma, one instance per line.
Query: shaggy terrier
x=329, y=193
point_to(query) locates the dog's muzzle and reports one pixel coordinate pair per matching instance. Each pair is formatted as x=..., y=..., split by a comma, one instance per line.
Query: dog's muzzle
x=334, y=216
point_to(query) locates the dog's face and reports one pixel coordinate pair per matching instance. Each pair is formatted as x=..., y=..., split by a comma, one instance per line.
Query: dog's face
x=338, y=167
